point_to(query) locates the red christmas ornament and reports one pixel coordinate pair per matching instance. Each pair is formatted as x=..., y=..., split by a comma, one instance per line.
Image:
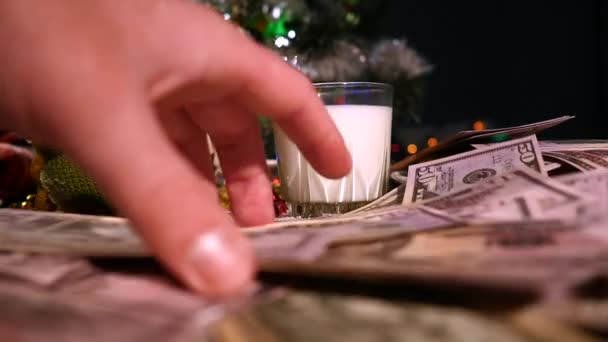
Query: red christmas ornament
x=15, y=178
x=280, y=206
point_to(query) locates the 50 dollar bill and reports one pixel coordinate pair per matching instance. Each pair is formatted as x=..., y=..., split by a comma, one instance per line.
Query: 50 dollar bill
x=438, y=177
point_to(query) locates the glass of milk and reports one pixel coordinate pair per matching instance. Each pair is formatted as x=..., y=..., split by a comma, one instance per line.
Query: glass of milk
x=362, y=111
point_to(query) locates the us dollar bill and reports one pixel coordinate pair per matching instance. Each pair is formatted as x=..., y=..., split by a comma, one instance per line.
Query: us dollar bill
x=549, y=165
x=569, y=159
x=573, y=145
x=302, y=243
x=603, y=153
x=594, y=183
x=478, y=137
x=106, y=300
x=357, y=317
x=438, y=177
x=592, y=158
x=391, y=198
x=518, y=195
x=72, y=234
x=517, y=250
x=98, y=236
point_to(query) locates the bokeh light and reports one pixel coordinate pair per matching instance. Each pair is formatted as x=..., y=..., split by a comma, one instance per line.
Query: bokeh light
x=479, y=125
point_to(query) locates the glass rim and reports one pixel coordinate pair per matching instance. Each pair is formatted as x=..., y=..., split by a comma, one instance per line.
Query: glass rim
x=346, y=85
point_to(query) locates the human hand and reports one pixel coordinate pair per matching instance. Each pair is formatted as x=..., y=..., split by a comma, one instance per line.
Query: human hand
x=129, y=90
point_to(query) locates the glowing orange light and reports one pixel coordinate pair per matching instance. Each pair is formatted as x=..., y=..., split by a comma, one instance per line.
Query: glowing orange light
x=479, y=125
x=412, y=148
x=432, y=142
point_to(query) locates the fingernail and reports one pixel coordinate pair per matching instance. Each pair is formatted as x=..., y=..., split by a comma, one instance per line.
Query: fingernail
x=223, y=262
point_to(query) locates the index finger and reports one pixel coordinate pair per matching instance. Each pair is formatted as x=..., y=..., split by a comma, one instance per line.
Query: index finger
x=263, y=83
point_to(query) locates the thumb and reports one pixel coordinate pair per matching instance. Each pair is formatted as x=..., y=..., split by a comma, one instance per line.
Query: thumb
x=172, y=206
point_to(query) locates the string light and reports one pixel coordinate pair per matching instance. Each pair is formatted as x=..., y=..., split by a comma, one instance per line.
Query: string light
x=479, y=125
x=432, y=141
x=412, y=148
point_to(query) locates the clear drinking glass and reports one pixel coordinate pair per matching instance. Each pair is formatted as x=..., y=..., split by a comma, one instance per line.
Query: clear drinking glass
x=363, y=112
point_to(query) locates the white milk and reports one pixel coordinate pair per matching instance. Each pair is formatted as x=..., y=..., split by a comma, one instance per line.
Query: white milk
x=367, y=133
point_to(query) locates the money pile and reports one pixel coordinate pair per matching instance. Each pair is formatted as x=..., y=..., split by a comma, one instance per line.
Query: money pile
x=491, y=235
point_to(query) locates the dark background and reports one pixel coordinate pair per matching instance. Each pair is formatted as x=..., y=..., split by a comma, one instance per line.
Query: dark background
x=508, y=62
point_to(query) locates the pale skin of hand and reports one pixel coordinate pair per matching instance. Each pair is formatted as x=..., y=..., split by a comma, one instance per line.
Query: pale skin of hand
x=129, y=90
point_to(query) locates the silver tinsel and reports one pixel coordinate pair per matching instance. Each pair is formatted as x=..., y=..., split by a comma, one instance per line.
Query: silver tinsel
x=392, y=59
x=341, y=61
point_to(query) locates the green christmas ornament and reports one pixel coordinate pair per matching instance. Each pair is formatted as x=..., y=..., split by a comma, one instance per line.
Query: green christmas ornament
x=68, y=187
